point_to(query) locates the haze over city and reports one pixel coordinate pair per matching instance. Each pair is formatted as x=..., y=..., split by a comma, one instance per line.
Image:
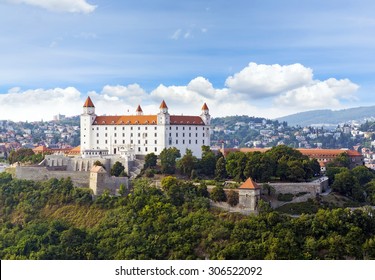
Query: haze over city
x=259, y=58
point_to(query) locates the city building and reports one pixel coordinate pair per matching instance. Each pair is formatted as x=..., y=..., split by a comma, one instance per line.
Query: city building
x=139, y=134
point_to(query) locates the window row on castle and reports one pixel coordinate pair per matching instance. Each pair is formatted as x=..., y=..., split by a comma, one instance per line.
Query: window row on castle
x=146, y=142
x=184, y=142
x=145, y=127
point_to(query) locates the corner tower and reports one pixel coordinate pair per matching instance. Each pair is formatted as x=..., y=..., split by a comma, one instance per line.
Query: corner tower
x=205, y=115
x=163, y=115
x=87, y=119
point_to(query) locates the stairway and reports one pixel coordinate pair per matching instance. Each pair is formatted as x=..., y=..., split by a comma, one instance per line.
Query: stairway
x=136, y=168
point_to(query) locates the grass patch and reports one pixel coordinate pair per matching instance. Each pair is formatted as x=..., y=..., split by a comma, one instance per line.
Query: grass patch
x=285, y=197
x=79, y=216
x=308, y=207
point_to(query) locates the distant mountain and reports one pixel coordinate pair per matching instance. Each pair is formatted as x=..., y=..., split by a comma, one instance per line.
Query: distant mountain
x=329, y=116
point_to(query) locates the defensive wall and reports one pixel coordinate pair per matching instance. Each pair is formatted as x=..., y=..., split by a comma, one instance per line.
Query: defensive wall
x=38, y=173
x=315, y=187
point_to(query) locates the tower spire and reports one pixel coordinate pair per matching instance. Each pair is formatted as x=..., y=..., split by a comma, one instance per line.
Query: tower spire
x=88, y=103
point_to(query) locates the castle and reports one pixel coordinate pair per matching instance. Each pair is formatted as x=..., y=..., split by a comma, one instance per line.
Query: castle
x=139, y=134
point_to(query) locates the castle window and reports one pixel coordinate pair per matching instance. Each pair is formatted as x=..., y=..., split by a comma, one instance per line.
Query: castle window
x=183, y=134
x=97, y=128
x=176, y=127
x=115, y=128
x=189, y=141
x=183, y=141
x=176, y=134
x=106, y=135
x=176, y=141
x=139, y=128
x=97, y=141
x=189, y=134
x=156, y=141
x=131, y=141
x=146, y=142
x=123, y=141
x=115, y=141
x=203, y=134
x=196, y=141
x=106, y=128
x=123, y=135
x=139, y=141
x=189, y=127
x=106, y=141
x=131, y=128
x=131, y=134
x=196, y=128
x=115, y=134
x=145, y=149
x=196, y=134
x=156, y=134
x=123, y=128
x=203, y=142
x=146, y=126
x=155, y=128
x=139, y=135
x=139, y=149
x=97, y=135
x=156, y=149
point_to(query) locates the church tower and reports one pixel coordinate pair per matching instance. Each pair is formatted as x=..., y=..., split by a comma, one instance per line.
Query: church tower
x=163, y=115
x=87, y=119
x=205, y=115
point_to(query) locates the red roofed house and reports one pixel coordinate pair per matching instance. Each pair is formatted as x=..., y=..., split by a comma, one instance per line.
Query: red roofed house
x=249, y=195
x=141, y=134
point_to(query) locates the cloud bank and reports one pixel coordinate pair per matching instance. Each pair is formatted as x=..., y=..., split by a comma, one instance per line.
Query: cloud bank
x=257, y=90
x=70, y=6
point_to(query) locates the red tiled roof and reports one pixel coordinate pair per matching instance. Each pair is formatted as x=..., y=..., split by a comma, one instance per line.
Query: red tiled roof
x=125, y=120
x=186, y=120
x=88, y=102
x=163, y=105
x=40, y=149
x=249, y=184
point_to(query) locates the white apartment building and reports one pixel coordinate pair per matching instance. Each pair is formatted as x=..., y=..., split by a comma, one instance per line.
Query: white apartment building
x=141, y=134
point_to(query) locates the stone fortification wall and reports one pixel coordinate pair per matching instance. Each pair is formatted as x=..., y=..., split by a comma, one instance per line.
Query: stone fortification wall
x=315, y=187
x=80, y=179
x=83, y=164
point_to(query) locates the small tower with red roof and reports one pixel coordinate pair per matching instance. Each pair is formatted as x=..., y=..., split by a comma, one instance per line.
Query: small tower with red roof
x=139, y=111
x=205, y=115
x=163, y=116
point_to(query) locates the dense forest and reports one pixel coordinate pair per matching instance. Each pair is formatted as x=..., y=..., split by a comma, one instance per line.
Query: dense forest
x=54, y=220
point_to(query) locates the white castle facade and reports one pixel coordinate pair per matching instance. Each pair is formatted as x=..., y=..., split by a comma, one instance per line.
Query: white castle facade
x=139, y=134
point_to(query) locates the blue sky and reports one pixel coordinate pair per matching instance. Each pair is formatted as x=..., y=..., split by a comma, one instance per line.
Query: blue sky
x=264, y=58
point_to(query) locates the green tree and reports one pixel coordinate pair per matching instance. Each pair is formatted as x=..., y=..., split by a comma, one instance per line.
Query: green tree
x=220, y=170
x=150, y=160
x=208, y=161
x=187, y=163
x=168, y=160
x=233, y=198
x=117, y=169
x=363, y=174
x=218, y=194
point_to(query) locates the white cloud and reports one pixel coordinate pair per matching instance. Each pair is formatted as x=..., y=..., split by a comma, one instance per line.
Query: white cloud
x=321, y=94
x=260, y=80
x=70, y=6
x=39, y=104
x=176, y=35
x=289, y=93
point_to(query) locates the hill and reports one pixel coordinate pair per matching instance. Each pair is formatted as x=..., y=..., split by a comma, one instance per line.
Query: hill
x=329, y=116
